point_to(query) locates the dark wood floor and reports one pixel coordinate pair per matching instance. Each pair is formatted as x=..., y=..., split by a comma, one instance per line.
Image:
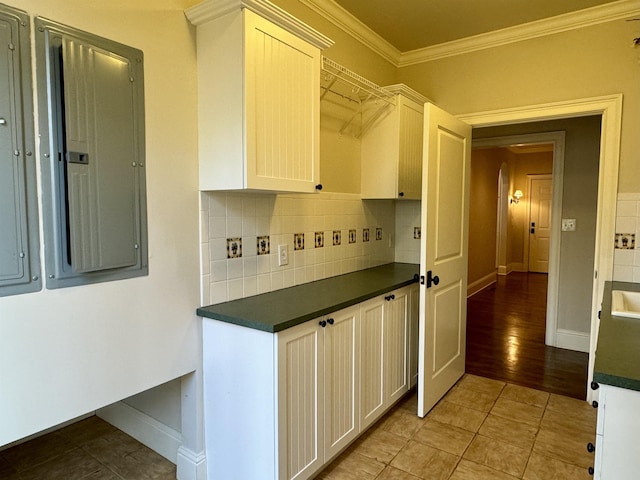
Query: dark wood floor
x=505, y=338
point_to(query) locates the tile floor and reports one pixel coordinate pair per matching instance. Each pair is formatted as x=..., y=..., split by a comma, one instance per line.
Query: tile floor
x=90, y=449
x=482, y=430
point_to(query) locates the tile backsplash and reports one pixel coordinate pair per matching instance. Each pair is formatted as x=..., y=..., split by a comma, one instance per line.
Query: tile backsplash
x=626, y=258
x=241, y=232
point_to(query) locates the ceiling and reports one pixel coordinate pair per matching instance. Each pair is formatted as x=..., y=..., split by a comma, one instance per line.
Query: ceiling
x=415, y=24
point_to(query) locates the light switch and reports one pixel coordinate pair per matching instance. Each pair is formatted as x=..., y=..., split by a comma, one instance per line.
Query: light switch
x=568, y=224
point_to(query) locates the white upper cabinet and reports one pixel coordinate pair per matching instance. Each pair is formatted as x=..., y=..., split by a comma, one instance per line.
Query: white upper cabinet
x=258, y=97
x=392, y=149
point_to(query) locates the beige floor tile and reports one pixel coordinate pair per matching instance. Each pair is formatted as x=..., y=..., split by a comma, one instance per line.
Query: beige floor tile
x=402, y=422
x=566, y=445
x=546, y=468
x=470, y=398
x=380, y=444
x=445, y=437
x=498, y=455
x=554, y=420
x=570, y=413
x=519, y=412
x=467, y=470
x=391, y=473
x=482, y=385
x=457, y=415
x=525, y=395
x=516, y=433
x=425, y=462
x=352, y=466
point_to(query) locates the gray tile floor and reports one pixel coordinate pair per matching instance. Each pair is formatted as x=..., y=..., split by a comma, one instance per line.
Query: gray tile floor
x=90, y=449
x=482, y=430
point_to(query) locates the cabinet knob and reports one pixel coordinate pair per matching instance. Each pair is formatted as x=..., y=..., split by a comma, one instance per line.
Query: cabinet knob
x=590, y=470
x=319, y=186
x=388, y=298
x=594, y=404
x=590, y=447
x=401, y=194
x=330, y=321
x=322, y=323
x=595, y=386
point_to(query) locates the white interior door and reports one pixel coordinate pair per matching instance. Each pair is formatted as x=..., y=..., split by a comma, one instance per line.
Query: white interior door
x=540, y=191
x=443, y=255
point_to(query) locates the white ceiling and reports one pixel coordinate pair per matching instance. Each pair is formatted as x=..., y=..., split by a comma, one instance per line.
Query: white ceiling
x=415, y=24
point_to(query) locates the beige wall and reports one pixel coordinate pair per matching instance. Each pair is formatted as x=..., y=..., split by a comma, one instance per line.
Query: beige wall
x=485, y=167
x=588, y=62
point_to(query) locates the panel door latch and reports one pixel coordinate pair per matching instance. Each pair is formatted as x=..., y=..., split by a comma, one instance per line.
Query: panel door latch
x=430, y=280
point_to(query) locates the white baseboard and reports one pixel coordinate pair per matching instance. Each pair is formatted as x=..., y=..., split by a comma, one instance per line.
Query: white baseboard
x=147, y=430
x=191, y=465
x=481, y=284
x=572, y=340
x=503, y=270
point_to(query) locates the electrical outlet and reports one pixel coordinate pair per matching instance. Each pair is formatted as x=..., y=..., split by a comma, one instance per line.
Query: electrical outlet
x=283, y=255
x=568, y=224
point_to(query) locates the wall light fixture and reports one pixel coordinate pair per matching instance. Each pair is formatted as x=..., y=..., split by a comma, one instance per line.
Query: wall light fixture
x=517, y=195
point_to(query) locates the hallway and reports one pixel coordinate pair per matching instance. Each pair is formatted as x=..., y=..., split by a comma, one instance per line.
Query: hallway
x=505, y=338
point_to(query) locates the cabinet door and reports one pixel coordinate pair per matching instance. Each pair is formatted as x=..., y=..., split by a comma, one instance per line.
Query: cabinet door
x=341, y=393
x=300, y=397
x=619, y=450
x=282, y=102
x=410, y=155
x=395, y=345
x=372, y=402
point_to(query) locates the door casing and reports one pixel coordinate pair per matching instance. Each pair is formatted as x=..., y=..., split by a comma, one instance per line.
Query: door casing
x=610, y=108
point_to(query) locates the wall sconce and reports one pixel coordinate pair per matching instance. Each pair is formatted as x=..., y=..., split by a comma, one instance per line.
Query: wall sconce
x=517, y=195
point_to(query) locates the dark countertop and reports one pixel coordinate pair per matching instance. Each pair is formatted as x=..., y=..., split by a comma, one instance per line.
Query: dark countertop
x=281, y=309
x=618, y=351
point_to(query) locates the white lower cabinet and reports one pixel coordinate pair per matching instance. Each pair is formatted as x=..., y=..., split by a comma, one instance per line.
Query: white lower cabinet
x=384, y=351
x=617, y=455
x=281, y=406
x=317, y=392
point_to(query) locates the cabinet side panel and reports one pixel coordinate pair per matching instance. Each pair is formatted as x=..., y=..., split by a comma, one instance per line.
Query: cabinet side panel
x=239, y=401
x=221, y=103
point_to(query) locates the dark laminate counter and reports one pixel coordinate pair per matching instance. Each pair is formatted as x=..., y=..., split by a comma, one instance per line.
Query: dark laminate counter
x=281, y=309
x=618, y=351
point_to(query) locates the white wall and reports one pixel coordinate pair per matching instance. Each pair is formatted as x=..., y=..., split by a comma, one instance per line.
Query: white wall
x=67, y=352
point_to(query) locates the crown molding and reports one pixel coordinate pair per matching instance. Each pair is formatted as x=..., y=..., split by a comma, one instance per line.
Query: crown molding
x=410, y=93
x=570, y=21
x=340, y=17
x=212, y=9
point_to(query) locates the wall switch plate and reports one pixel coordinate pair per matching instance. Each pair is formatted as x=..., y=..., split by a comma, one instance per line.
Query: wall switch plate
x=568, y=224
x=283, y=255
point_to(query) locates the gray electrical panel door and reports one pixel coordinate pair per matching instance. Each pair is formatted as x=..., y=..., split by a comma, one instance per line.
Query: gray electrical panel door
x=100, y=155
x=91, y=111
x=18, y=246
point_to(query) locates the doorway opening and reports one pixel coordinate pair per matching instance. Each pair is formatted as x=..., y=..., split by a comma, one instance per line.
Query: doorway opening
x=526, y=305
